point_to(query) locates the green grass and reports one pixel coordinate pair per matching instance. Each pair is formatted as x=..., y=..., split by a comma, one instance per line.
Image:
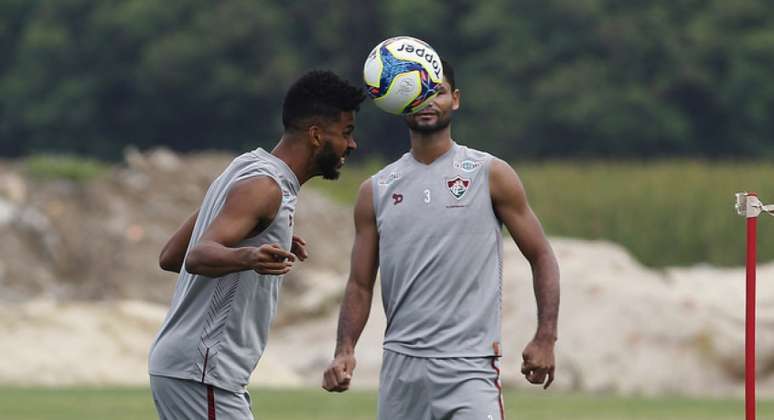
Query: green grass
x=666, y=213
x=136, y=404
x=73, y=168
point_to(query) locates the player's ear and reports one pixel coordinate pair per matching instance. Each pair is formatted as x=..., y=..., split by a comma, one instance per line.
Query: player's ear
x=456, y=99
x=315, y=135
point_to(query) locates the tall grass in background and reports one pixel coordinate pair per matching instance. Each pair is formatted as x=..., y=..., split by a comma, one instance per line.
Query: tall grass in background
x=70, y=167
x=665, y=213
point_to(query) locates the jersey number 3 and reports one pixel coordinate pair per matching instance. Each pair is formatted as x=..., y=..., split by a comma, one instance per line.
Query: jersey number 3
x=427, y=196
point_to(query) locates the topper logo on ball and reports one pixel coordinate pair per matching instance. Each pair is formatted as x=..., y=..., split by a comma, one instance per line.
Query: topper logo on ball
x=429, y=57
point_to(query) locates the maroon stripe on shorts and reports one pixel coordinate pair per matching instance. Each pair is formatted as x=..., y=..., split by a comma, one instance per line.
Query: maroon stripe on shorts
x=499, y=386
x=210, y=403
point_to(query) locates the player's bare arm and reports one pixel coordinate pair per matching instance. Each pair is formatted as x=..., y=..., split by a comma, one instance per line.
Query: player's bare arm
x=173, y=253
x=510, y=203
x=357, y=296
x=250, y=206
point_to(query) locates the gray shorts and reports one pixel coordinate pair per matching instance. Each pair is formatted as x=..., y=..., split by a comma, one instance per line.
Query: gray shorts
x=416, y=388
x=189, y=400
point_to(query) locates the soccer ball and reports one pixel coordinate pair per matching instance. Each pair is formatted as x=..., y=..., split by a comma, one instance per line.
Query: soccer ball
x=402, y=75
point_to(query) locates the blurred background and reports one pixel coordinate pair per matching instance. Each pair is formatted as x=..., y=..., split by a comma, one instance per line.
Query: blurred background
x=632, y=124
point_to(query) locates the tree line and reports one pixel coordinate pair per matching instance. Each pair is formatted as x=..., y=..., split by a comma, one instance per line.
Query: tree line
x=539, y=78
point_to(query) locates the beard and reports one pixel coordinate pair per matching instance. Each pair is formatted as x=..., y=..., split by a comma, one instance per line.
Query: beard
x=440, y=123
x=327, y=162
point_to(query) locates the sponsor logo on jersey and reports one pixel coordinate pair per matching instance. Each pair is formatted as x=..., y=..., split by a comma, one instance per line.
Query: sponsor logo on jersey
x=397, y=199
x=458, y=186
x=389, y=179
x=467, y=165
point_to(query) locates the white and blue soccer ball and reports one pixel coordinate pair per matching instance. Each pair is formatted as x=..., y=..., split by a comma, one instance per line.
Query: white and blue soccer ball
x=402, y=74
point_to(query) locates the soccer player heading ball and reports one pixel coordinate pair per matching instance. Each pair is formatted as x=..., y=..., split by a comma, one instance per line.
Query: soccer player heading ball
x=234, y=250
x=431, y=222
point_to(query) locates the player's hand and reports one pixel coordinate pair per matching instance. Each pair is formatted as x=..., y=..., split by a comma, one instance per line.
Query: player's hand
x=299, y=248
x=338, y=375
x=272, y=259
x=538, y=362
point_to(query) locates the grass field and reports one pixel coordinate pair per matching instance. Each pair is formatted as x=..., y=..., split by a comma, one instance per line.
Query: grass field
x=665, y=213
x=136, y=404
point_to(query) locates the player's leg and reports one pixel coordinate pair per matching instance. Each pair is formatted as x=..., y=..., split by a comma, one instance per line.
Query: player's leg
x=403, y=392
x=179, y=399
x=232, y=405
x=466, y=389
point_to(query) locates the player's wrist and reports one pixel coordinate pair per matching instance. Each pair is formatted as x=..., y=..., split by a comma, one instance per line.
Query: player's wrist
x=247, y=257
x=549, y=337
x=344, y=350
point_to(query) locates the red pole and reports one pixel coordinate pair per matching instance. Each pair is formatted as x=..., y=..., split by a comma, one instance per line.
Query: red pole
x=749, y=394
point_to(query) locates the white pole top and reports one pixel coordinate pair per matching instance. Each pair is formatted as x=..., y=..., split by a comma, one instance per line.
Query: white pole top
x=748, y=205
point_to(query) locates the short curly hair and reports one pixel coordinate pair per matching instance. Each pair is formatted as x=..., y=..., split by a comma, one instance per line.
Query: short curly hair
x=319, y=93
x=448, y=74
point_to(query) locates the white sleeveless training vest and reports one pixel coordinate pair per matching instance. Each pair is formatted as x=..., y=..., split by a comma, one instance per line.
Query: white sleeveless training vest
x=440, y=255
x=217, y=328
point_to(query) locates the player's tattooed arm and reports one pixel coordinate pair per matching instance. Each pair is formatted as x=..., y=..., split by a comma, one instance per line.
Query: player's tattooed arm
x=250, y=206
x=173, y=253
x=510, y=203
x=357, y=296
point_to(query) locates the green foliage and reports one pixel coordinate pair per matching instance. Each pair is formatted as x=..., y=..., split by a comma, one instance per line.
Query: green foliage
x=540, y=78
x=71, y=168
x=137, y=404
x=666, y=213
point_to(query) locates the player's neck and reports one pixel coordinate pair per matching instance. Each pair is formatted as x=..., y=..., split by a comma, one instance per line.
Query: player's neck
x=296, y=156
x=426, y=148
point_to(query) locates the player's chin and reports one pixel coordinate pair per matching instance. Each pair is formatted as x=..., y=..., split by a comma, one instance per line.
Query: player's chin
x=425, y=123
x=425, y=128
x=332, y=173
x=423, y=119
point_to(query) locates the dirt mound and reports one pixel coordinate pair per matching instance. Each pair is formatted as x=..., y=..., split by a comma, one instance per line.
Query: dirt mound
x=100, y=239
x=623, y=328
x=81, y=296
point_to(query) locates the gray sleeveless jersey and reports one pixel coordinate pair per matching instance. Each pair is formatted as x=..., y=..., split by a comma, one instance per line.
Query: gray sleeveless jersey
x=217, y=328
x=440, y=251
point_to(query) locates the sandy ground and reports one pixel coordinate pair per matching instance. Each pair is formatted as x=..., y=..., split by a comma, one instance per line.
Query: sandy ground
x=623, y=329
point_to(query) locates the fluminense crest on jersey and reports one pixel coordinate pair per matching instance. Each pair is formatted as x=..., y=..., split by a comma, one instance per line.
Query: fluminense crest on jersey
x=458, y=186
